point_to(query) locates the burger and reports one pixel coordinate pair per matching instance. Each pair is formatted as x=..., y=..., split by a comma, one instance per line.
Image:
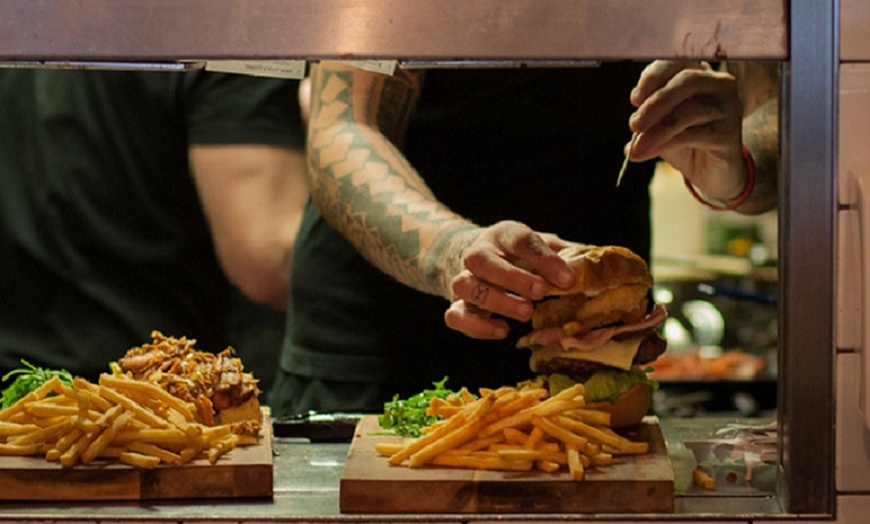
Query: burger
x=602, y=332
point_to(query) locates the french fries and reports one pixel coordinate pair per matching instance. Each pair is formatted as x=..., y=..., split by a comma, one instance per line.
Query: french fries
x=704, y=480
x=131, y=421
x=515, y=429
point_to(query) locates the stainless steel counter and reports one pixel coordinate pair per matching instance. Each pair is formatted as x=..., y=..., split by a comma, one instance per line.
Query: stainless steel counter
x=307, y=483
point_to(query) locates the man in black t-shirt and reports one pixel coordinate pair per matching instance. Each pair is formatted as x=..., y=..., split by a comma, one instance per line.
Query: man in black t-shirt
x=133, y=201
x=431, y=191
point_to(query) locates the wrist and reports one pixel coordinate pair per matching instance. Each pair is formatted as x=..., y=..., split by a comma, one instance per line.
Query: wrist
x=729, y=205
x=446, y=259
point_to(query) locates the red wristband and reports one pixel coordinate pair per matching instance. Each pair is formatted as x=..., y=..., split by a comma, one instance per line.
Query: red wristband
x=744, y=196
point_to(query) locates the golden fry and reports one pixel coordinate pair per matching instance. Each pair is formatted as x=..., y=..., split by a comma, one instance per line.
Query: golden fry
x=483, y=443
x=11, y=429
x=524, y=417
x=139, y=412
x=559, y=432
x=69, y=457
x=417, y=444
x=48, y=421
x=106, y=437
x=591, y=449
x=605, y=437
x=179, y=420
x=92, y=391
x=468, y=431
x=595, y=417
x=139, y=460
x=473, y=462
x=443, y=407
x=68, y=440
x=150, y=391
x=534, y=438
x=146, y=448
x=575, y=466
x=702, y=479
x=515, y=436
x=40, y=436
x=41, y=408
x=601, y=459
x=548, y=465
x=189, y=453
x=20, y=449
x=526, y=454
x=112, y=452
x=155, y=436
x=466, y=396
x=222, y=446
x=388, y=448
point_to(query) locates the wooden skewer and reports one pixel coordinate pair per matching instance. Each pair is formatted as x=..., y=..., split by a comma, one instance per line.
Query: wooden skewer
x=625, y=162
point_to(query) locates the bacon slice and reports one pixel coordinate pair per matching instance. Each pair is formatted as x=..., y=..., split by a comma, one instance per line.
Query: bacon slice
x=596, y=338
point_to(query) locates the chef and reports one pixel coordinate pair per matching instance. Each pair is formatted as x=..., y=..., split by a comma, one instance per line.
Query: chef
x=451, y=190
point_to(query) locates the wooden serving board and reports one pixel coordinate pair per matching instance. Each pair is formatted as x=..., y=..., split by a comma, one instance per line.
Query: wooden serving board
x=243, y=472
x=632, y=484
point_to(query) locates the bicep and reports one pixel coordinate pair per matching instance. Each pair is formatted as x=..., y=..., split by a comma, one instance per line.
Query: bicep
x=233, y=179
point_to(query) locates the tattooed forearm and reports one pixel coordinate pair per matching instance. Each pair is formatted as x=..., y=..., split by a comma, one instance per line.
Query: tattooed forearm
x=363, y=185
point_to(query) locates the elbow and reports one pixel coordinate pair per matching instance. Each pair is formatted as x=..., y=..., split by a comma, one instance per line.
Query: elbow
x=258, y=265
x=263, y=280
x=267, y=290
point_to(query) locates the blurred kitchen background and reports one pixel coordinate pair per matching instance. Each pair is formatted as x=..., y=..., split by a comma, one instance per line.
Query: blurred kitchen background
x=717, y=274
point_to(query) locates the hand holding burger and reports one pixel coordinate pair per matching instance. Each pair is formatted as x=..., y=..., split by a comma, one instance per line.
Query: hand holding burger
x=600, y=331
x=500, y=270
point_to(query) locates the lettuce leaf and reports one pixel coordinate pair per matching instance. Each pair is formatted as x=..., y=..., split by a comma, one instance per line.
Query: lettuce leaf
x=604, y=385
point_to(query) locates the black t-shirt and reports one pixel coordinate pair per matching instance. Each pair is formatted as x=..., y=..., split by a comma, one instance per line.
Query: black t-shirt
x=542, y=146
x=102, y=237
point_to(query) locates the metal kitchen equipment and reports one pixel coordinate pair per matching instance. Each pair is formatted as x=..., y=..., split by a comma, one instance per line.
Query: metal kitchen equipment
x=802, y=34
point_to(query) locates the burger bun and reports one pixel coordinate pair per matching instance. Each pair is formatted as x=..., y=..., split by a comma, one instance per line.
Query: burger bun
x=628, y=409
x=248, y=410
x=598, y=268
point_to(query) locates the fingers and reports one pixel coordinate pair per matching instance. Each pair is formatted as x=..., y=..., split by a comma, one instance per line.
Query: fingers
x=684, y=105
x=696, y=91
x=695, y=123
x=474, y=322
x=483, y=295
x=515, y=258
x=506, y=268
x=657, y=74
x=554, y=242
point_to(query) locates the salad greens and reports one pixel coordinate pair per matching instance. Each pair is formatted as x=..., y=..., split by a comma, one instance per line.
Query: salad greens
x=406, y=417
x=605, y=384
x=28, y=378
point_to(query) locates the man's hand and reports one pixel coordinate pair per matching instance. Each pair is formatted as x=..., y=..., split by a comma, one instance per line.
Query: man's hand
x=507, y=266
x=691, y=116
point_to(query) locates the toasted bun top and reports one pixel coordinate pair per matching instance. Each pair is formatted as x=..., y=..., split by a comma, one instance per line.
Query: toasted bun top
x=597, y=268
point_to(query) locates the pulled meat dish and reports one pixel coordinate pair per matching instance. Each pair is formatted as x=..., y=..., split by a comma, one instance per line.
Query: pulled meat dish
x=213, y=382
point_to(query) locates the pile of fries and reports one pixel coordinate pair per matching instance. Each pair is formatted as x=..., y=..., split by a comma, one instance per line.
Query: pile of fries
x=515, y=429
x=120, y=418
